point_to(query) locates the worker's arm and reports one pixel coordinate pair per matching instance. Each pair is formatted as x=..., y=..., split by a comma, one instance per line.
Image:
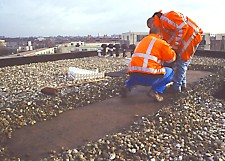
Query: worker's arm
x=168, y=54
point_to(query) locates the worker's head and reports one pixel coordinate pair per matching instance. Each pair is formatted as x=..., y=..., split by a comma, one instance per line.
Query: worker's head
x=153, y=29
x=150, y=22
x=154, y=20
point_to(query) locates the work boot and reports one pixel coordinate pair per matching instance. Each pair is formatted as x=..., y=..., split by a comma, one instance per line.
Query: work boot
x=183, y=89
x=172, y=90
x=124, y=91
x=170, y=84
x=155, y=95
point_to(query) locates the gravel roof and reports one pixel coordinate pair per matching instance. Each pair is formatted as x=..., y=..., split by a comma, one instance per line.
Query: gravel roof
x=191, y=127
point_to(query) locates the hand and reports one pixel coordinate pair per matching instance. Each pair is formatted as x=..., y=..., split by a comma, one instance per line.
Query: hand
x=175, y=47
x=170, y=65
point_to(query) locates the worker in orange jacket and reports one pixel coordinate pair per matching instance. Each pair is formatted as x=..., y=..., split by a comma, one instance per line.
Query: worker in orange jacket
x=146, y=65
x=184, y=36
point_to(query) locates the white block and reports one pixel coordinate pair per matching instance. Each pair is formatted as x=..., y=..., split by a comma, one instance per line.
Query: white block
x=81, y=74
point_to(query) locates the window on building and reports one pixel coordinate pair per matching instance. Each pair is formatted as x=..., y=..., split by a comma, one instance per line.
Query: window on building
x=203, y=37
x=128, y=38
x=203, y=42
x=213, y=38
x=140, y=37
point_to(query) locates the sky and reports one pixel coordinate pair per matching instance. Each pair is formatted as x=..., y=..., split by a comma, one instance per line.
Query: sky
x=25, y=18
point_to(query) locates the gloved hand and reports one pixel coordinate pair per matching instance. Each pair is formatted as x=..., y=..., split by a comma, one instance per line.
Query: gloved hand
x=170, y=65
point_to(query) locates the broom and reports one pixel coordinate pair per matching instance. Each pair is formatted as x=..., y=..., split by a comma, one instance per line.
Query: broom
x=55, y=90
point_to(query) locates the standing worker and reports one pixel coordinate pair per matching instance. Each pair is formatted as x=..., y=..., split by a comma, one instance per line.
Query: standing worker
x=184, y=36
x=146, y=66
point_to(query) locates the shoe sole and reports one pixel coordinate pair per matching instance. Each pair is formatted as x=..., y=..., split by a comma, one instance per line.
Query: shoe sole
x=155, y=97
x=158, y=98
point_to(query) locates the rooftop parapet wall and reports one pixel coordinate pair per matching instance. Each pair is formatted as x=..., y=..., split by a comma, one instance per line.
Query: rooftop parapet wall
x=20, y=60
x=210, y=53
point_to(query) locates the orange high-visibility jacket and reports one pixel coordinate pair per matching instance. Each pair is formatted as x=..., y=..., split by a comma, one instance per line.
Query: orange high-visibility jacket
x=179, y=30
x=150, y=54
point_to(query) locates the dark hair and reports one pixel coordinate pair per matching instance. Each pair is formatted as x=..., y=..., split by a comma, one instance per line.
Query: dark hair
x=149, y=19
x=159, y=14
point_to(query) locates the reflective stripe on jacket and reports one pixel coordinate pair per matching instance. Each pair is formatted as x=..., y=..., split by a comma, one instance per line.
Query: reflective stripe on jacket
x=150, y=54
x=179, y=30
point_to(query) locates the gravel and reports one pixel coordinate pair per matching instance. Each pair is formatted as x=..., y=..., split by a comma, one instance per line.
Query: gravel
x=191, y=127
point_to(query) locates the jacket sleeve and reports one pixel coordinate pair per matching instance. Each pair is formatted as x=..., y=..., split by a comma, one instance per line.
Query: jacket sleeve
x=177, y=22
x=168, y=54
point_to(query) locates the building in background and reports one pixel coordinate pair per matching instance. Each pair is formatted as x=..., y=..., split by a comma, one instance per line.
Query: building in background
x=71, y=44
x=217, y=42
x=2, y=43
x=25, y=47
x=205, y=44
x=209, y=41
x=42, y=51
x=12, y=45
x=3, y=49
x=82, y=46
x=19, y=46
x=133, y=37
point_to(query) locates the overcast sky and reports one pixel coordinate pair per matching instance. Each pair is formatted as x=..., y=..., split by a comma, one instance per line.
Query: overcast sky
x=22, y=18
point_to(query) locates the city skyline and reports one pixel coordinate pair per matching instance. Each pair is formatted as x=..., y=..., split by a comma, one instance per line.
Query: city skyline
x=27, y=18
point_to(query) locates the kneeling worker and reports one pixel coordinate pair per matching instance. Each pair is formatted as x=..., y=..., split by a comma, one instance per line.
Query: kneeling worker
x=146, y=66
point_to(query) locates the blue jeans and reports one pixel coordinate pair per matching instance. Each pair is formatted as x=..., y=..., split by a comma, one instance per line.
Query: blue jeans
x=157, y=84
x=180, y=72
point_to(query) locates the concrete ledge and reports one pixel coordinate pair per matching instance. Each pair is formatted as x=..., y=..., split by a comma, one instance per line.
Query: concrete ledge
x=20, y=60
